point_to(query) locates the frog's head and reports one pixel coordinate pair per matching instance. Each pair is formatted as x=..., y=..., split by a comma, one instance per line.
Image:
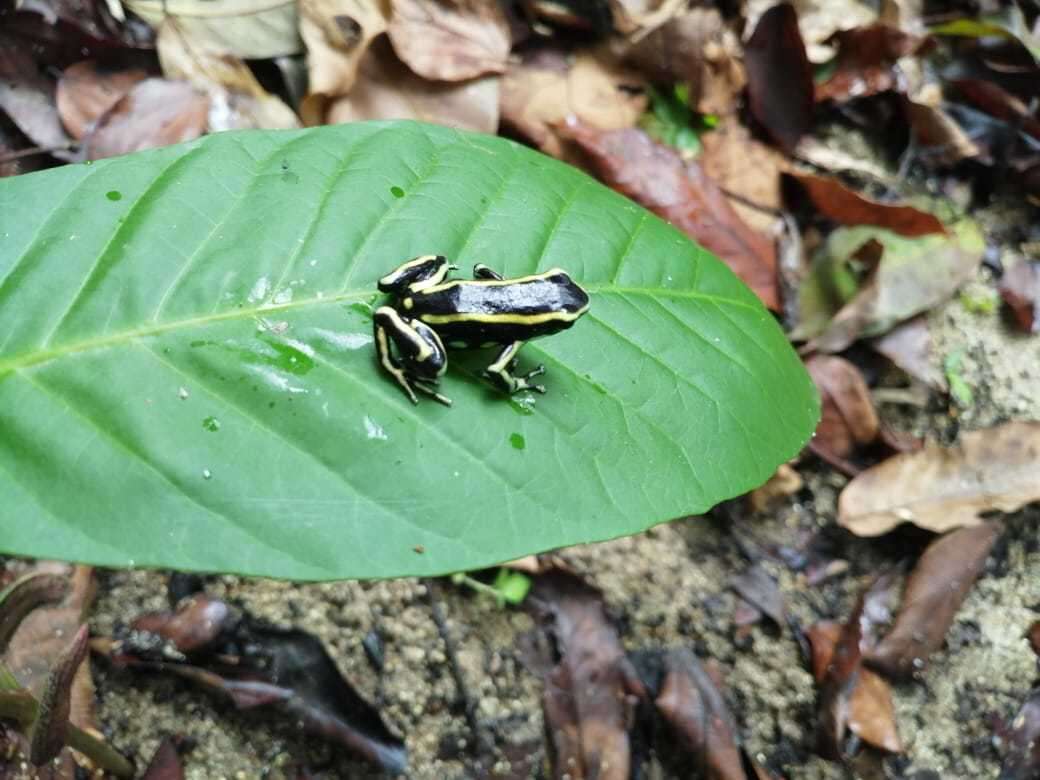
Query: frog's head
x=416, y=274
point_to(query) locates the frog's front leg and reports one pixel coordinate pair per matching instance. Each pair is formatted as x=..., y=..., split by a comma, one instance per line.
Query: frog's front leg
x=481, y=271
x=500, y=372
x=420, y=359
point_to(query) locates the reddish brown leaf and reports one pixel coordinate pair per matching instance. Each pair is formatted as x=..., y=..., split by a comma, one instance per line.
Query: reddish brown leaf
x=588, y=694
x=1033, y=635
x=1020, y=289
x=156, y=112
x=694, y=707
x=866, y=61
x=871, y=712
x=934, y=592
x=785, y=482
x=909, y=346
x=450, y=40
x=86, y=92
x=848, y=419
x=654, y=175
x=997, y=102
x=780, y=84
x=1022, y=761
x=940, y=488
x=837, y=202
x=193, y=627
x=939, y=138
x=28, y=97
x=52, y=720
x=836, y=679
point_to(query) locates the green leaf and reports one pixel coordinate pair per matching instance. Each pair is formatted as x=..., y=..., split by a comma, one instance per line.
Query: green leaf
x=187, y=378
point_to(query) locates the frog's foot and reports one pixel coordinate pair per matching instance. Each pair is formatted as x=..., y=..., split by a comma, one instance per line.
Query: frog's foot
x=500, y=372
x=431, y=391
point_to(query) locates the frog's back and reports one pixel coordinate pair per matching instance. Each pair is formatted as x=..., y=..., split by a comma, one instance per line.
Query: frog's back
x=492, y=311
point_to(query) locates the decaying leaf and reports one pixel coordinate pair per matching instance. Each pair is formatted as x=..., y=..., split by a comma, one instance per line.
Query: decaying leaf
x=337, y=34
x=785, y=482
x=247, y=29
x=870, y=710
x=780, y=85
x=818, y=20
x=1020, y=289
x=938, y=137
x=654, y=175
x=909, y=346
x=450, y=40
x=933, y=594
x=387, y=89
x=940, y=488
x=155, y=112
x=166, y=762
x=589, y=694
x=848, y=419
x=236, y=99
x=286, y=671
x=547, y=86
x=86, y=91
x=636, y=17
x=837, y=202
x=693, y=706
x=913, y=276
x=866, y=62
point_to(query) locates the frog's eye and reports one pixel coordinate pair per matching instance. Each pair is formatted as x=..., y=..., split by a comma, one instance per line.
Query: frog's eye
x=424, y=270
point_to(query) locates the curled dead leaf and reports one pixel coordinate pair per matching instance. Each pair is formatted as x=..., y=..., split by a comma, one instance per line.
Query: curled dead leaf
x=1020, y=289
x=934, y=592
x=866, y=61
x=848, y=419
x=547, y=86
x=387, y=89
x=909, y=346
x=939, y=488
x=450, y=40
x=655, y=176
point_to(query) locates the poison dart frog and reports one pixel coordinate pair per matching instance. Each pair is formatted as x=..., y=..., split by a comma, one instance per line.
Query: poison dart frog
x=487, y=310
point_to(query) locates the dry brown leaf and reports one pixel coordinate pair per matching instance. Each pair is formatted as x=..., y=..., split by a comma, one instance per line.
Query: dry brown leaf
x=871, y=712
x=909, y=346
x=548, y=86
x=387, y=89
x=935, y=133
x=1022, y=761
x=747, y=168
x=237, y=101
x=933, y=594
x=450, y=40
x=780, y=84
x=818, y=20
x=759, y=589
x=848, y=419
x=156, y=112
x=866, y=62
x=86, y=91
x=654, y=176
x=337, y=34
x=939, y=488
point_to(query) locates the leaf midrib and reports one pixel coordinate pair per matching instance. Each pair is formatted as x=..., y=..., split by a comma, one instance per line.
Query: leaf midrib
x=36, y=357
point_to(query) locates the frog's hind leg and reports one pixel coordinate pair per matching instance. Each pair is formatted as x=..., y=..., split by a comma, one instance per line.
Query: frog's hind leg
x=500, y=372
x=481, y=271
x=390, y=364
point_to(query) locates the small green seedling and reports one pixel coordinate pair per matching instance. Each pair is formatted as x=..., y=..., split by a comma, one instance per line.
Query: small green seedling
x=960, y=390
x=508, y=587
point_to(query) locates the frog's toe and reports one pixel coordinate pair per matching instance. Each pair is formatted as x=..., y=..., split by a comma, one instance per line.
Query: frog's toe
x=537, y=371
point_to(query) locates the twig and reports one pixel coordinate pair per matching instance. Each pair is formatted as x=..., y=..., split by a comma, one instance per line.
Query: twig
x=34, y=150
x=482, y=743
